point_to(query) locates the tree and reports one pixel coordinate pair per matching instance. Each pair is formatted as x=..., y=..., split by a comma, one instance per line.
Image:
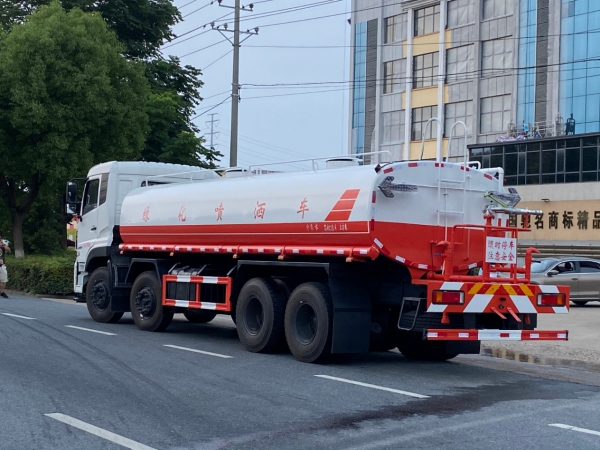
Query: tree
x=172, y=137
x=68, y=99
x=141, y=25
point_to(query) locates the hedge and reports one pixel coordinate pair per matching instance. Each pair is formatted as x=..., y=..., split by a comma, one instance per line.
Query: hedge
x=47, y=275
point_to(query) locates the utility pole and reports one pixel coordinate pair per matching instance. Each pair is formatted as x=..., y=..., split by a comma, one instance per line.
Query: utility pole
x=235, y=83
x=213, y=134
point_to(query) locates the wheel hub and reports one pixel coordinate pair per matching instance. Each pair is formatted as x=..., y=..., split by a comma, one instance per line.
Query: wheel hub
x=145, y=302
x=306, y=324
x=254, y=317
x=100, y=297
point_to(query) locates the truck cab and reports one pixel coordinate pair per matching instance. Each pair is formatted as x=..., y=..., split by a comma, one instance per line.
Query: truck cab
x=99, y=208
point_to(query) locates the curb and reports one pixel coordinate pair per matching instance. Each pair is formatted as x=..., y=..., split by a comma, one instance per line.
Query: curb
x=504, y=353
x=27, y=294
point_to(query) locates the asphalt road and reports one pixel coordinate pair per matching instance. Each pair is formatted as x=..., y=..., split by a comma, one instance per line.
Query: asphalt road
x=63, y=387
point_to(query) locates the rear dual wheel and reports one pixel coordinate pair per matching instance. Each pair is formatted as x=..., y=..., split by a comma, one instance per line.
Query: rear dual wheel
x=259, y=315
x=309, y=322
x=145, y=302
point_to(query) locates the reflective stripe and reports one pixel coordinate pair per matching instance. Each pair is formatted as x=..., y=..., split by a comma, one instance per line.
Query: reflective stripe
x=523, y=304
x=478, y=303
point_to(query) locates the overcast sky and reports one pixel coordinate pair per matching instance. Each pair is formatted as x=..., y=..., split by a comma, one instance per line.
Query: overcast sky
x=282, y=127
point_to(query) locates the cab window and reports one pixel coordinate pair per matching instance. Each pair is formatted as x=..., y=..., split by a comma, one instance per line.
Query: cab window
x=90, y=196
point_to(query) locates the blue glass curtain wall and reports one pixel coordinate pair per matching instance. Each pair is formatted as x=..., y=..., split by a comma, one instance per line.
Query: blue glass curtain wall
x=580, y=63
x=526, y=76
x=360, y=78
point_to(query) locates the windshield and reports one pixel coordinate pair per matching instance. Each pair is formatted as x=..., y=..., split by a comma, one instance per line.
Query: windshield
x=542, y=266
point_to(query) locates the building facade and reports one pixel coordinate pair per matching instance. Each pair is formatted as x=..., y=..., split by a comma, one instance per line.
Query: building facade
x=503, y=67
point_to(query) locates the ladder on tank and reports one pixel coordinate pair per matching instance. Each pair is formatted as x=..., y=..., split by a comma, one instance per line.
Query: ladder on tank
x=456, y=185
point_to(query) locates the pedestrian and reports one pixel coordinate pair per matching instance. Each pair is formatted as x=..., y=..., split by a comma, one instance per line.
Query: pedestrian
x=4, y=249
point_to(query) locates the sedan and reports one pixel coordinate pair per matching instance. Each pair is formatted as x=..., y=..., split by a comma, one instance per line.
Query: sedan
x=582, y=275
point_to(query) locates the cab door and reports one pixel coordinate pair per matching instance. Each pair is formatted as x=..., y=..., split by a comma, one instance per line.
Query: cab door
x=87, y=232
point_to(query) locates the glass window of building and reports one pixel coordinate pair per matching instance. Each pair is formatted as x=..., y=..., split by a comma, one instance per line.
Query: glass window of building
x=462, y=111
x=427, y=20
x=496, y=56
x=392, y=127
x=420, y=116
x=495, y=114
x=393, y=76
x=458, y=63
x=425, y=69
x=394, y=28
x=496, y=8
x=460, y=13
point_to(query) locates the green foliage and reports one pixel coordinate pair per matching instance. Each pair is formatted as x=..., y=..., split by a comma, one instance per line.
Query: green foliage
x=66, y=102
x=42, y=274
x=68, y=99
x=141, y=25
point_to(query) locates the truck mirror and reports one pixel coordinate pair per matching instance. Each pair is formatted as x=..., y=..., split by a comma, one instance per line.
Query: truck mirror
x=551, y=273
x=72, y=205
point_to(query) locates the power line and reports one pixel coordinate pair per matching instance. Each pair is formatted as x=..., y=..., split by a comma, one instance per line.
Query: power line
x=210, y=108
x=199, y=9
x=203, y=48
x=216, y=60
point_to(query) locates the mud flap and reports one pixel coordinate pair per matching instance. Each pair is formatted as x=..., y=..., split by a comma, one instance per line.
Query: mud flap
x=351, y=309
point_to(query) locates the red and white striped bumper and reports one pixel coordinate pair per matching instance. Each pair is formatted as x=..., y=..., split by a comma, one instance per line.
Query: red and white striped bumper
x=495, y=335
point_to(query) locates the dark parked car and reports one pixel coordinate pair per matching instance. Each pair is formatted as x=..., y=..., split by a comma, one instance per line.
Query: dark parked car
x=582, y=275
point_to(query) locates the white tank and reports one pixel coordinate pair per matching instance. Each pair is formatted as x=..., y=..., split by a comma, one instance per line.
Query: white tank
x=400, y=211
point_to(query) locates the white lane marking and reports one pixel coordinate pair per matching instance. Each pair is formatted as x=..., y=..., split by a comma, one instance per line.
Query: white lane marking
x=569, y=427
x=18, y=316
x=373, y=386
x=89, y=329
x=100, y=432
x=218, y=355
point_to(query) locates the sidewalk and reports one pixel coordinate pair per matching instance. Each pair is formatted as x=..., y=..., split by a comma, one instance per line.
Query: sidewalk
x=582, y=349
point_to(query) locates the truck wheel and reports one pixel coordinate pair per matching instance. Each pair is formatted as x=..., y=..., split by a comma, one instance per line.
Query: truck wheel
x=200, y=316
x=97, y=296
x=146, y=304
x=413, y=347
x=309, y=322
x=259, y=315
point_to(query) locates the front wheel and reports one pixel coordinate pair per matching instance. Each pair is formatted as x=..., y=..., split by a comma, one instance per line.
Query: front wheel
x=309, y=322
x=97, y=295
x=145, y=302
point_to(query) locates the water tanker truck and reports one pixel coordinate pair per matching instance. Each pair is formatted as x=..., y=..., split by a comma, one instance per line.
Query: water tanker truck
x=418, y=255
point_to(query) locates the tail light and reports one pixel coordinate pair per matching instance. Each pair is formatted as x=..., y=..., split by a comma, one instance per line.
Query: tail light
x=552, y=299
x=448, y=297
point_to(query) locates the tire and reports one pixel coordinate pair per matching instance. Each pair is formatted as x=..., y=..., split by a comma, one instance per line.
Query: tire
x=200, y=316
x=97, y=297
x=259, y=315
x=146, y=304
x=413, y=347
x=309, y=322
x=580, y=303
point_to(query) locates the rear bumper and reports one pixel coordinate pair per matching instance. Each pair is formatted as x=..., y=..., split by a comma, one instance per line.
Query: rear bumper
x=495, y=335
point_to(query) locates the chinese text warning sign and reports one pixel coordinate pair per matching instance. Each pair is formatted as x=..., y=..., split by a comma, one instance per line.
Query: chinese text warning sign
x=501, y=250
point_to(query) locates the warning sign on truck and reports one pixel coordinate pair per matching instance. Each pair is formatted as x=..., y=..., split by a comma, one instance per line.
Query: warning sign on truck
x=501, y=250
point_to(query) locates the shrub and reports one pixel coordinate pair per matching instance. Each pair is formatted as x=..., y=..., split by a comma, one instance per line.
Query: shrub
x=48, y=275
